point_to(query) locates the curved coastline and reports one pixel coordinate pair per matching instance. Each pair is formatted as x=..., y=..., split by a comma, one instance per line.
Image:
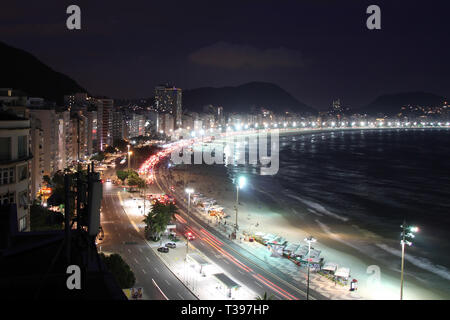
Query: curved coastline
x=335, y=240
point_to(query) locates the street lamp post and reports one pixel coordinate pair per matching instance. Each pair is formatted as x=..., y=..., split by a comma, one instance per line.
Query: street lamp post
x=310, y=240
x=128, y=156
x=407, y=234
x=240, y=184
x=188, y=191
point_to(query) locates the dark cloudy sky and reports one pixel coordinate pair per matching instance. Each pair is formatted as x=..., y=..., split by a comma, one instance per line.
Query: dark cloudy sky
x=316, y=50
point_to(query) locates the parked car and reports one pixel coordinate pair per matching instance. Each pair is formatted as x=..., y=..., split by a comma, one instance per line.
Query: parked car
x=171, y=245
x=163, y=249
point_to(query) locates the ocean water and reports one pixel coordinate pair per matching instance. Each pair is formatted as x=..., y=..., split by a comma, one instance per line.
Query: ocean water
x=373, y=180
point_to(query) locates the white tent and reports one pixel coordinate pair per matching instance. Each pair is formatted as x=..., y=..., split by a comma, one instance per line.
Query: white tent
x=342, y=273
x=330, y=266
x=291, y=248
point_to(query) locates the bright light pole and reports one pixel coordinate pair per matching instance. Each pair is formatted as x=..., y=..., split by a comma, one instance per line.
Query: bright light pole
x=407, y=233
x=188, y=191
x=310, y=240
x=129, y=154
x=239, y=185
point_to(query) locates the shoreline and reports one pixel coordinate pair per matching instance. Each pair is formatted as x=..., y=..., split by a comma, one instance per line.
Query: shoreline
x=334, y=238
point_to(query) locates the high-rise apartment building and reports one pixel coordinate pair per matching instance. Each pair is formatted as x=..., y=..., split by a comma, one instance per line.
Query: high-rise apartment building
x=136, y=125
x=118, y=127
x=168, y=99
x=79, y=128
x=107, y=122
x=15, y=164
x=49, y=125
x=92, y=136
x=64, y=137
x=37, y=150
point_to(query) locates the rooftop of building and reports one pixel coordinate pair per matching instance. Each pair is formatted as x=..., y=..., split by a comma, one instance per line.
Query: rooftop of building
x=33, y=265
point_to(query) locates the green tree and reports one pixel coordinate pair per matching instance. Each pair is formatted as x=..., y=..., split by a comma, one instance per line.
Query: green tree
x=120, y=270
x=134, y=180
x=122, y=175
x=265, y=296
x=158, y=218
x=141, y=184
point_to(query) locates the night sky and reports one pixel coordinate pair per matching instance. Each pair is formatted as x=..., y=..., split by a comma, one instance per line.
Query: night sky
x=316, y=50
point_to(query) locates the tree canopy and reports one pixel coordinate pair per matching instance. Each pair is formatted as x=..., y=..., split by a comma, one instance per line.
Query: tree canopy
x=122, y=175
x=158, y=218
x=120, y=270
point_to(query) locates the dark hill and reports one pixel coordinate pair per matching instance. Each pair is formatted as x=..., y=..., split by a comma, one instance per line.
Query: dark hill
x=22, y=71
x=242, y=98
x=391, y=103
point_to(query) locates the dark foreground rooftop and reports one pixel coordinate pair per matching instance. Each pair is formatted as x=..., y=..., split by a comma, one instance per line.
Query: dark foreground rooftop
x=33, y=265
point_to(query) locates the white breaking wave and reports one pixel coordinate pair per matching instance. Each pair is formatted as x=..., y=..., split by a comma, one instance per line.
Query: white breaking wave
x=422, y=263
x=318, y=208
x=336, y=237
x=269, y=194
x=315, y=212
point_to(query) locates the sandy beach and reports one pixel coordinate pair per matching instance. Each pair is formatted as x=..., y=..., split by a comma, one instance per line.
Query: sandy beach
x=340, y=241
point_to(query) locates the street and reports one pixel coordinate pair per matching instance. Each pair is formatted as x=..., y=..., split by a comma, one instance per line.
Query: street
x=122, y=238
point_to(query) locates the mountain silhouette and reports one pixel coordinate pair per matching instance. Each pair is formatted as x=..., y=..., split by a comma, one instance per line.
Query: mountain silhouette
x=23, y=71
x=242, y=98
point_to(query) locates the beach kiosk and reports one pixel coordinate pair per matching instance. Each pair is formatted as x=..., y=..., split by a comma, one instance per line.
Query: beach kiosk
x=290, y=248
x=226, y=285
x=198, y=262
x=215, y=211
x=330, y=268
x=342, y=274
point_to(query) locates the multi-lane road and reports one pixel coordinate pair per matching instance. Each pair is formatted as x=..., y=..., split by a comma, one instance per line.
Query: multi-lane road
x=159, y=282
x=121, y=237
